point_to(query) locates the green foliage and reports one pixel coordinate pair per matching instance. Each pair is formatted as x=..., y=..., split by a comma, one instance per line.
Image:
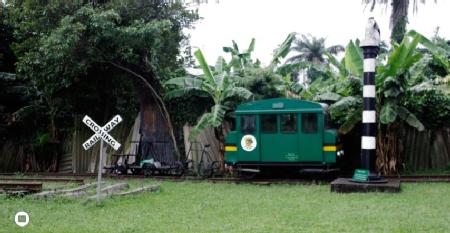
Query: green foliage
x=440, y=51
x=420, y=207
x=311, y=49
x=407, y=70
x=241, y=60
x=42, y=139
x=388, y=113
x=216, y=85
x=431, y=105
x=67, y=50
x=283, y=50
x=353, y=59
x=264, y=83
x=310, y=56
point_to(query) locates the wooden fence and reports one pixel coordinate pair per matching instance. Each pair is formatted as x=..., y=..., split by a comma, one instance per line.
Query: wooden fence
x=77, y=160
x=429, y=149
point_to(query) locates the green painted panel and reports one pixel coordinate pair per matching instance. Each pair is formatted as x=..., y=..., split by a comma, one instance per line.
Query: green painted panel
x=330, y=156
x=278, y=105
x=311, y=139
x=248, y=143
x=280, y=146
x=232, y=139
x=330, y=137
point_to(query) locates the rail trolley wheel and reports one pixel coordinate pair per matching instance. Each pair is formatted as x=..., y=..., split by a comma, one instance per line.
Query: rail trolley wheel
x=120, y=170
x=135, y=171
x=148, y=169
x=179, y=168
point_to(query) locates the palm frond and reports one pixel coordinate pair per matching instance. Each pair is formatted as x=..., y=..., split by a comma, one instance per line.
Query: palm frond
x=335, y=49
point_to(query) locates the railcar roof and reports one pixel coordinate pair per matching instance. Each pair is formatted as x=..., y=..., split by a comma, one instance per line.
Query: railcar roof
x=278, y=105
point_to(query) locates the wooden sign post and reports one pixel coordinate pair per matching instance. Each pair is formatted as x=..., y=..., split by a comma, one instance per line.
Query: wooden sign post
x=101, y=133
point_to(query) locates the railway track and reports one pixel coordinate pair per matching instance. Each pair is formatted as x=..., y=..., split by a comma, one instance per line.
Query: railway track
x=20, y=187
x=79, y=178
x=43, y=179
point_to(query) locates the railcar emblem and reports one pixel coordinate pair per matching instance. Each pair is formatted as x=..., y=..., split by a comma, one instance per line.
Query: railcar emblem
x=248, y=142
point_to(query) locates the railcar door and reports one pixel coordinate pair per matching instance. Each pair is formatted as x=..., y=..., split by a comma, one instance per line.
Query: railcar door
x=279, y=136
x=249, y=143
x=310, y=137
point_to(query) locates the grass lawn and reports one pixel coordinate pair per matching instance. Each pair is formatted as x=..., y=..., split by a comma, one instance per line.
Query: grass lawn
x=206, y=207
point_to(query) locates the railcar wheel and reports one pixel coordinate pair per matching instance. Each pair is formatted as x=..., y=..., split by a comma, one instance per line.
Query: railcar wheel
x=246, y=175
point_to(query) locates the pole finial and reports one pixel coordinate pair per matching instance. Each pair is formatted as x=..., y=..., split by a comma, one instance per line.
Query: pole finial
x=372, y=36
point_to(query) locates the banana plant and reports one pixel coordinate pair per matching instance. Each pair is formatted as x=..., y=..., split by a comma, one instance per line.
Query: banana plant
x=392, y=82
x=241, y=60
x=283, y=50
x=216, y=84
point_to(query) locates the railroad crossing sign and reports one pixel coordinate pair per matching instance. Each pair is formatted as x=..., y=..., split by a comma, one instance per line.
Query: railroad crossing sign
x=101, y=132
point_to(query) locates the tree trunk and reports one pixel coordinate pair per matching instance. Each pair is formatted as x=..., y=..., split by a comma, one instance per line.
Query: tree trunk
x=221, y=138
x=399, y=19
x=154, y=100
x=388, y=156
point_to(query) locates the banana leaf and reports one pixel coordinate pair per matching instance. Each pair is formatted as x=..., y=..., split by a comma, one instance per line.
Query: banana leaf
x=353, y=59
x=388, y=113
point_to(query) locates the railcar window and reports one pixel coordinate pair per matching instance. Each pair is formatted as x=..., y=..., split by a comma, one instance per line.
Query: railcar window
x=309, y=123
x=269, y=123
x=288, y=123
x=248, y=123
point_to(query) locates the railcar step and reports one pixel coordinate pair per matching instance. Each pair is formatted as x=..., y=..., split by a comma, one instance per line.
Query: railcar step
x=317, y=170
x=249, y=170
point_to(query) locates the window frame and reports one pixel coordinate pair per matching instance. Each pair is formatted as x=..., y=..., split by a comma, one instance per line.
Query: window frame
x=261, y=116
x=254, y=124
x=316, y=130
x=295, y=123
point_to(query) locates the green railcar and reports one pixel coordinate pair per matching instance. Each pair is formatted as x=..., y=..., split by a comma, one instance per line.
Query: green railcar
x=280, y=131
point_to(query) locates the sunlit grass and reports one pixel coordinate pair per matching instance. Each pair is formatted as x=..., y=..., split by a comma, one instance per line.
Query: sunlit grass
x=206, y=207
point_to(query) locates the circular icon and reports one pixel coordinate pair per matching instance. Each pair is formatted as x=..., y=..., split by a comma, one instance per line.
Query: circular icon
x=21, y=222
x=248, y=142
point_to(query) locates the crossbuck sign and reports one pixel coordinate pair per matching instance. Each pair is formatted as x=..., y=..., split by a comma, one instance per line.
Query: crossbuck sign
x=101, y=132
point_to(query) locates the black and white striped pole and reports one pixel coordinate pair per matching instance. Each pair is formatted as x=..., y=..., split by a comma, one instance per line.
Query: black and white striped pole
x=370, y=46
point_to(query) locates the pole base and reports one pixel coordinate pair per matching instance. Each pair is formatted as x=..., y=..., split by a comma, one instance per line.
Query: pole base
x=345, y=185
x=368, y=177
x=371, y=179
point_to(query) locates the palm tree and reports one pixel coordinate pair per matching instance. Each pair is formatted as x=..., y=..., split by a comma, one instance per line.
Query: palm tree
x=399, y=15
x=311, y=56
x=311, y=49
x=217, y=85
